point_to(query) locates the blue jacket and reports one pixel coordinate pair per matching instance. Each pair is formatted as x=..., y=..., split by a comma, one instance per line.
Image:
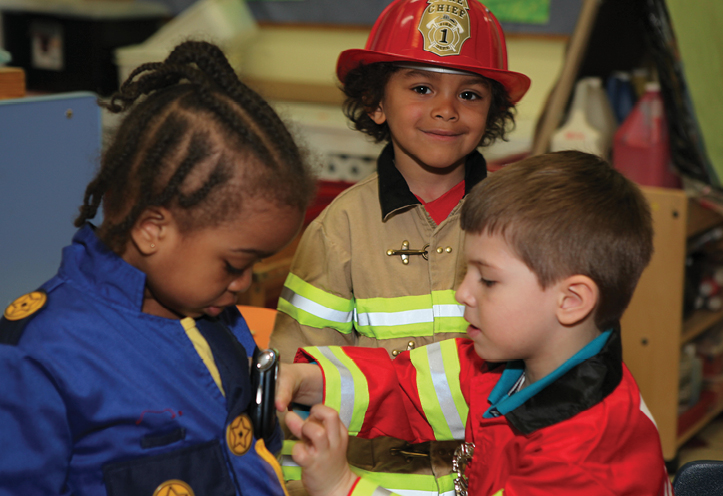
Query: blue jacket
x=99, y=398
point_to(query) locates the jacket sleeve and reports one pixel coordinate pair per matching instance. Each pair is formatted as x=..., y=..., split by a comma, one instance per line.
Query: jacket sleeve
x=417, y=397
x=316, y=305
x=35, y=436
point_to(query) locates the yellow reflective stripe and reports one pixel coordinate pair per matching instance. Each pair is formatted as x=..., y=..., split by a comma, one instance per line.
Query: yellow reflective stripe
x=345, y=386
x=399, y=331
x=439, y=390
x=442, y=301
x=390, y=305
x=271, y=460
x=499, y=493
x=406, y=316
x=332, y=378
x=439, y=326
x=451, y=324
x=291, y=472
x=366, y=487
x=445, y=297
x=288, y=446
x=289, y=467
x=409, y=483
x=452, y=371
x=361, y=392
x=311, y=306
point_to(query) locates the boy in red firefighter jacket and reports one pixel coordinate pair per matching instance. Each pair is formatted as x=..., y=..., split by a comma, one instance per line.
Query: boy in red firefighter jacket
x=555, y=246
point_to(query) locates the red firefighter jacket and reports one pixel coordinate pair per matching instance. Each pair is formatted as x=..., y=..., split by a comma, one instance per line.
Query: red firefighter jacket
x=584, y=429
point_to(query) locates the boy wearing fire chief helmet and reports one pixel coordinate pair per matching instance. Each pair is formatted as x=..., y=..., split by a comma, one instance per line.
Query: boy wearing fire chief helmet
x=379, y=266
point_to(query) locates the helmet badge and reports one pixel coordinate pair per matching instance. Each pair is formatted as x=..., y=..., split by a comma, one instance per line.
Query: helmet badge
x=445, y=26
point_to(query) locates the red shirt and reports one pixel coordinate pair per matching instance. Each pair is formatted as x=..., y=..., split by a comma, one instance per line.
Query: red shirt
x=440, y=208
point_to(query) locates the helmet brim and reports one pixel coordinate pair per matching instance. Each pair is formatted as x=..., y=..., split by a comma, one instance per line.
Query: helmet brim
x=515, y=83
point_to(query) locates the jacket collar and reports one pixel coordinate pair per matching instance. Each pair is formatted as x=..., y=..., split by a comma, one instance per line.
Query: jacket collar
x=394, y=193
x=579, y=389
x=89, y=263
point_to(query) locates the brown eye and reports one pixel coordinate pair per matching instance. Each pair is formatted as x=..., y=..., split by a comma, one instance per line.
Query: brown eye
x=421, y=89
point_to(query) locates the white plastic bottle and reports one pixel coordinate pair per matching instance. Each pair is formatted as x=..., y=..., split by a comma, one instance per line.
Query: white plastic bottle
x=591, y=123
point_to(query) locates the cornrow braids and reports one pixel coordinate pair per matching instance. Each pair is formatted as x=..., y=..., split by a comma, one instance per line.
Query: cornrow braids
x=195, y=140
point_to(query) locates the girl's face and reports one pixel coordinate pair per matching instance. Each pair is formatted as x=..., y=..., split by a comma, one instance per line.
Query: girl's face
x=201, y=272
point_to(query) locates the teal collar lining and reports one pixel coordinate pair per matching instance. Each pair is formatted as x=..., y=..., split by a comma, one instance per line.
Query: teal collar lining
x=501, y=403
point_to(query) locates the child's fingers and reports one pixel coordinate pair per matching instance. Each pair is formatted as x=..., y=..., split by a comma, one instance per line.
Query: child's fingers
x=285, y=384
x=294, y=423
x=315, y=433
x=335, y=432
x=311, y=432
x=312, y=436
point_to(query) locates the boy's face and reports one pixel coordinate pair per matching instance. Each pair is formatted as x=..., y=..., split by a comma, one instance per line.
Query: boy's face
x=202, y=272
x=509, y=313
x=435, y=119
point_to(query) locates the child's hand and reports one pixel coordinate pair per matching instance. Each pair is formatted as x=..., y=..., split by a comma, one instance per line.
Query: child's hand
x=299, y=382
x=321, y=452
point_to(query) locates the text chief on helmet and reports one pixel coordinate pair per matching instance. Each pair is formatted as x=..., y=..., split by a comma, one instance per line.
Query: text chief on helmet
x=452, y=34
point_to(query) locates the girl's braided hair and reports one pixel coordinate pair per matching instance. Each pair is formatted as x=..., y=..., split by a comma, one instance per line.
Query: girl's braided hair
x=197, y=141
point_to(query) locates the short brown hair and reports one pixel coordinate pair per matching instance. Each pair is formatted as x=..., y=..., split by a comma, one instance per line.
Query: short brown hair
x=569, y=213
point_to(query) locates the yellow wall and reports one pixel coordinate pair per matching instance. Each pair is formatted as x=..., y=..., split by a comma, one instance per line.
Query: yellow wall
x=308, y=55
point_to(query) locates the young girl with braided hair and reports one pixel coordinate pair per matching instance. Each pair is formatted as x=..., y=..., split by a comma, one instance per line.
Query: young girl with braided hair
x=127, y=372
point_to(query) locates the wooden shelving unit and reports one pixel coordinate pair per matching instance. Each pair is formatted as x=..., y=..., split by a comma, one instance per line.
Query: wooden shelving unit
x=653, y=328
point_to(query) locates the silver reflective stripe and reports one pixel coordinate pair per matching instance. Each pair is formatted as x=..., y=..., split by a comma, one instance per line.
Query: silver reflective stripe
x=414, y=492
x=380, y=491
x=395, y=318
x=449, y=310
x=346, y=405
x=420, y=316
x=287, y=461
x=444, y=391
x=314, y=308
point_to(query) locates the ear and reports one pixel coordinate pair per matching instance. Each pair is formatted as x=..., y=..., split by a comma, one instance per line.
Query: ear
x=378, y=115
x=577, y=300
x=151, y=229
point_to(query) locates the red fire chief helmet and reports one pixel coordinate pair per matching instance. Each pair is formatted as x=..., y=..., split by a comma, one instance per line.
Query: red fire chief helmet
x=453, y=34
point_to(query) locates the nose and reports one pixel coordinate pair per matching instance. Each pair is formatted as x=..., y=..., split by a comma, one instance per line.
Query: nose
x=463, y=295
x=242, y=282
x=445, y=108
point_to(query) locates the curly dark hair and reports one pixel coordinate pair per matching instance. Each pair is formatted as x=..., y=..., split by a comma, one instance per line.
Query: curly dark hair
x=197, y=141
x=364, y=89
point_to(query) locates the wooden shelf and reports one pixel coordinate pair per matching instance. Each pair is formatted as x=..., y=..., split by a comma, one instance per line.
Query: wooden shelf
x=653, y=328
x=698, y=323
x=700, y=219
x=696, y=427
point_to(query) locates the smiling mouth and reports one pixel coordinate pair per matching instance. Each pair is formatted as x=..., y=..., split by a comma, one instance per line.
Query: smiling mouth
x=443, y=134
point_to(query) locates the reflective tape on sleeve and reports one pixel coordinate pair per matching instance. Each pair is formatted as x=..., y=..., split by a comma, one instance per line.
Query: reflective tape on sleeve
x=408, y=316
x=439, y=389
x=345, y=387
x=364, y=487
x=313, y=307
x=448, y=311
